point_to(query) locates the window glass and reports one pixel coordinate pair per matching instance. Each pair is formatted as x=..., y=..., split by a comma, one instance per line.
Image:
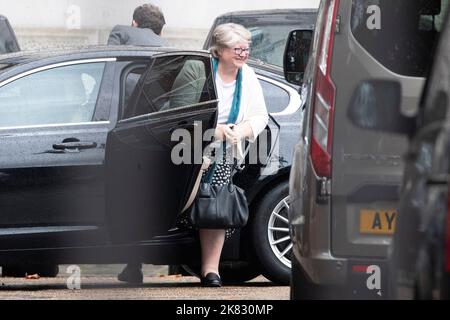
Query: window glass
x=269, y=42
x=277, y=99
x=174, y=82
x=270, y=33
x=400, y=34
x=56, y=96
x=130, y=87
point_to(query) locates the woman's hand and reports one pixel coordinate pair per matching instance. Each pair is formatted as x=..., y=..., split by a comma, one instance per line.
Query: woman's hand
x=233, y=135
x=243, y=131
x=219, y=133
x=222, y=132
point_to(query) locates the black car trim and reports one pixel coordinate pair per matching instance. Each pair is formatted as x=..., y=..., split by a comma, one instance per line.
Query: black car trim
x=30, y=230
x=152, y=114
x=201, y=53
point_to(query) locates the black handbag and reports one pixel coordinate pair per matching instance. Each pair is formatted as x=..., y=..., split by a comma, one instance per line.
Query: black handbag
x=219, y=207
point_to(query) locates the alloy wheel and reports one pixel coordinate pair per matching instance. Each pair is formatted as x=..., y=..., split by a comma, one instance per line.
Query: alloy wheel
x=278, y=232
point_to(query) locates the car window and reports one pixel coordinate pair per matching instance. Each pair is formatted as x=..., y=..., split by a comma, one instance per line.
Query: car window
x=8, y=42
x=173, y=82
x=268, y=42
x=130, y=86
x=270, y=33
x=400, y=34
x=277, y=99
x=60, y=95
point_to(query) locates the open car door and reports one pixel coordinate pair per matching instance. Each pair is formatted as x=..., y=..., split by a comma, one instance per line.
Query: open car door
x=153, y=155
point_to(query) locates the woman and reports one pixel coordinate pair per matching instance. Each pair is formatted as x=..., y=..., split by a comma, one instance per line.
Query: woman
x=242, y=116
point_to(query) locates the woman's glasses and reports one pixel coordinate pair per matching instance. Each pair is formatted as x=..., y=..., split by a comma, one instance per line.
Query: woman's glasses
x=239, y=51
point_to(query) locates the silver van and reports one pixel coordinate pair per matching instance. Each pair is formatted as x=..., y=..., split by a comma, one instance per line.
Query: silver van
x=419, y=256
x=345, y=181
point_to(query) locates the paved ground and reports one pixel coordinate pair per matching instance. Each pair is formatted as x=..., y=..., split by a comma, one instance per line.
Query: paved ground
x=99, y=282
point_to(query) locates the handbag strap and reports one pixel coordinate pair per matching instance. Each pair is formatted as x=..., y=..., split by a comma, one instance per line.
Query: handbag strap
x=194, y=191
x=210, y=175
x=235, y=168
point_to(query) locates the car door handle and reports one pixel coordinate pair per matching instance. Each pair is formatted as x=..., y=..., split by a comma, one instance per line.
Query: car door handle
x=77, y=145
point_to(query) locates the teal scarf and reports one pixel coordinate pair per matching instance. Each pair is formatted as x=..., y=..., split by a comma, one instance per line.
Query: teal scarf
x=234, y=112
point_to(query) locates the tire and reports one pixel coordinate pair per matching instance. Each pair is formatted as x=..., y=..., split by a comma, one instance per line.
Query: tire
x=277, y=270
x=231, y=272
x=19, y=271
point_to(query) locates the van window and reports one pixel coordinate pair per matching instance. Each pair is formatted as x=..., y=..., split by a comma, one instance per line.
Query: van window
x=400, y=34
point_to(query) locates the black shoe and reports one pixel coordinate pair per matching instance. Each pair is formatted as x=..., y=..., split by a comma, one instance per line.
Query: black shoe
x=131, y=274
x=211, y=280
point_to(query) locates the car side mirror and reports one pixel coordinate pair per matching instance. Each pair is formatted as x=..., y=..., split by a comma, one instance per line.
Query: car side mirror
x=376, y=105
x=296, y=55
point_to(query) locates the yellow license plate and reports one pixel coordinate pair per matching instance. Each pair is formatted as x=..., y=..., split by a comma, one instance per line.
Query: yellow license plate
x=381, y=222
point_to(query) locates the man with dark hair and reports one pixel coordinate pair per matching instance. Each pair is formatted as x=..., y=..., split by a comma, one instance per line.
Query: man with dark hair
x=149, y=16
x=145, y=29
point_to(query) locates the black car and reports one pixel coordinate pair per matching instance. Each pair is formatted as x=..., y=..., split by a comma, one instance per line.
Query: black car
x=8, y=41
x=270, y=30
x=86, y=170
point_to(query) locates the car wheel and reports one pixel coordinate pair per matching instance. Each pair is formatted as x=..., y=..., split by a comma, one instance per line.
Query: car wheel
x=231, y=272
x=18, y=271
x=269, y=235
